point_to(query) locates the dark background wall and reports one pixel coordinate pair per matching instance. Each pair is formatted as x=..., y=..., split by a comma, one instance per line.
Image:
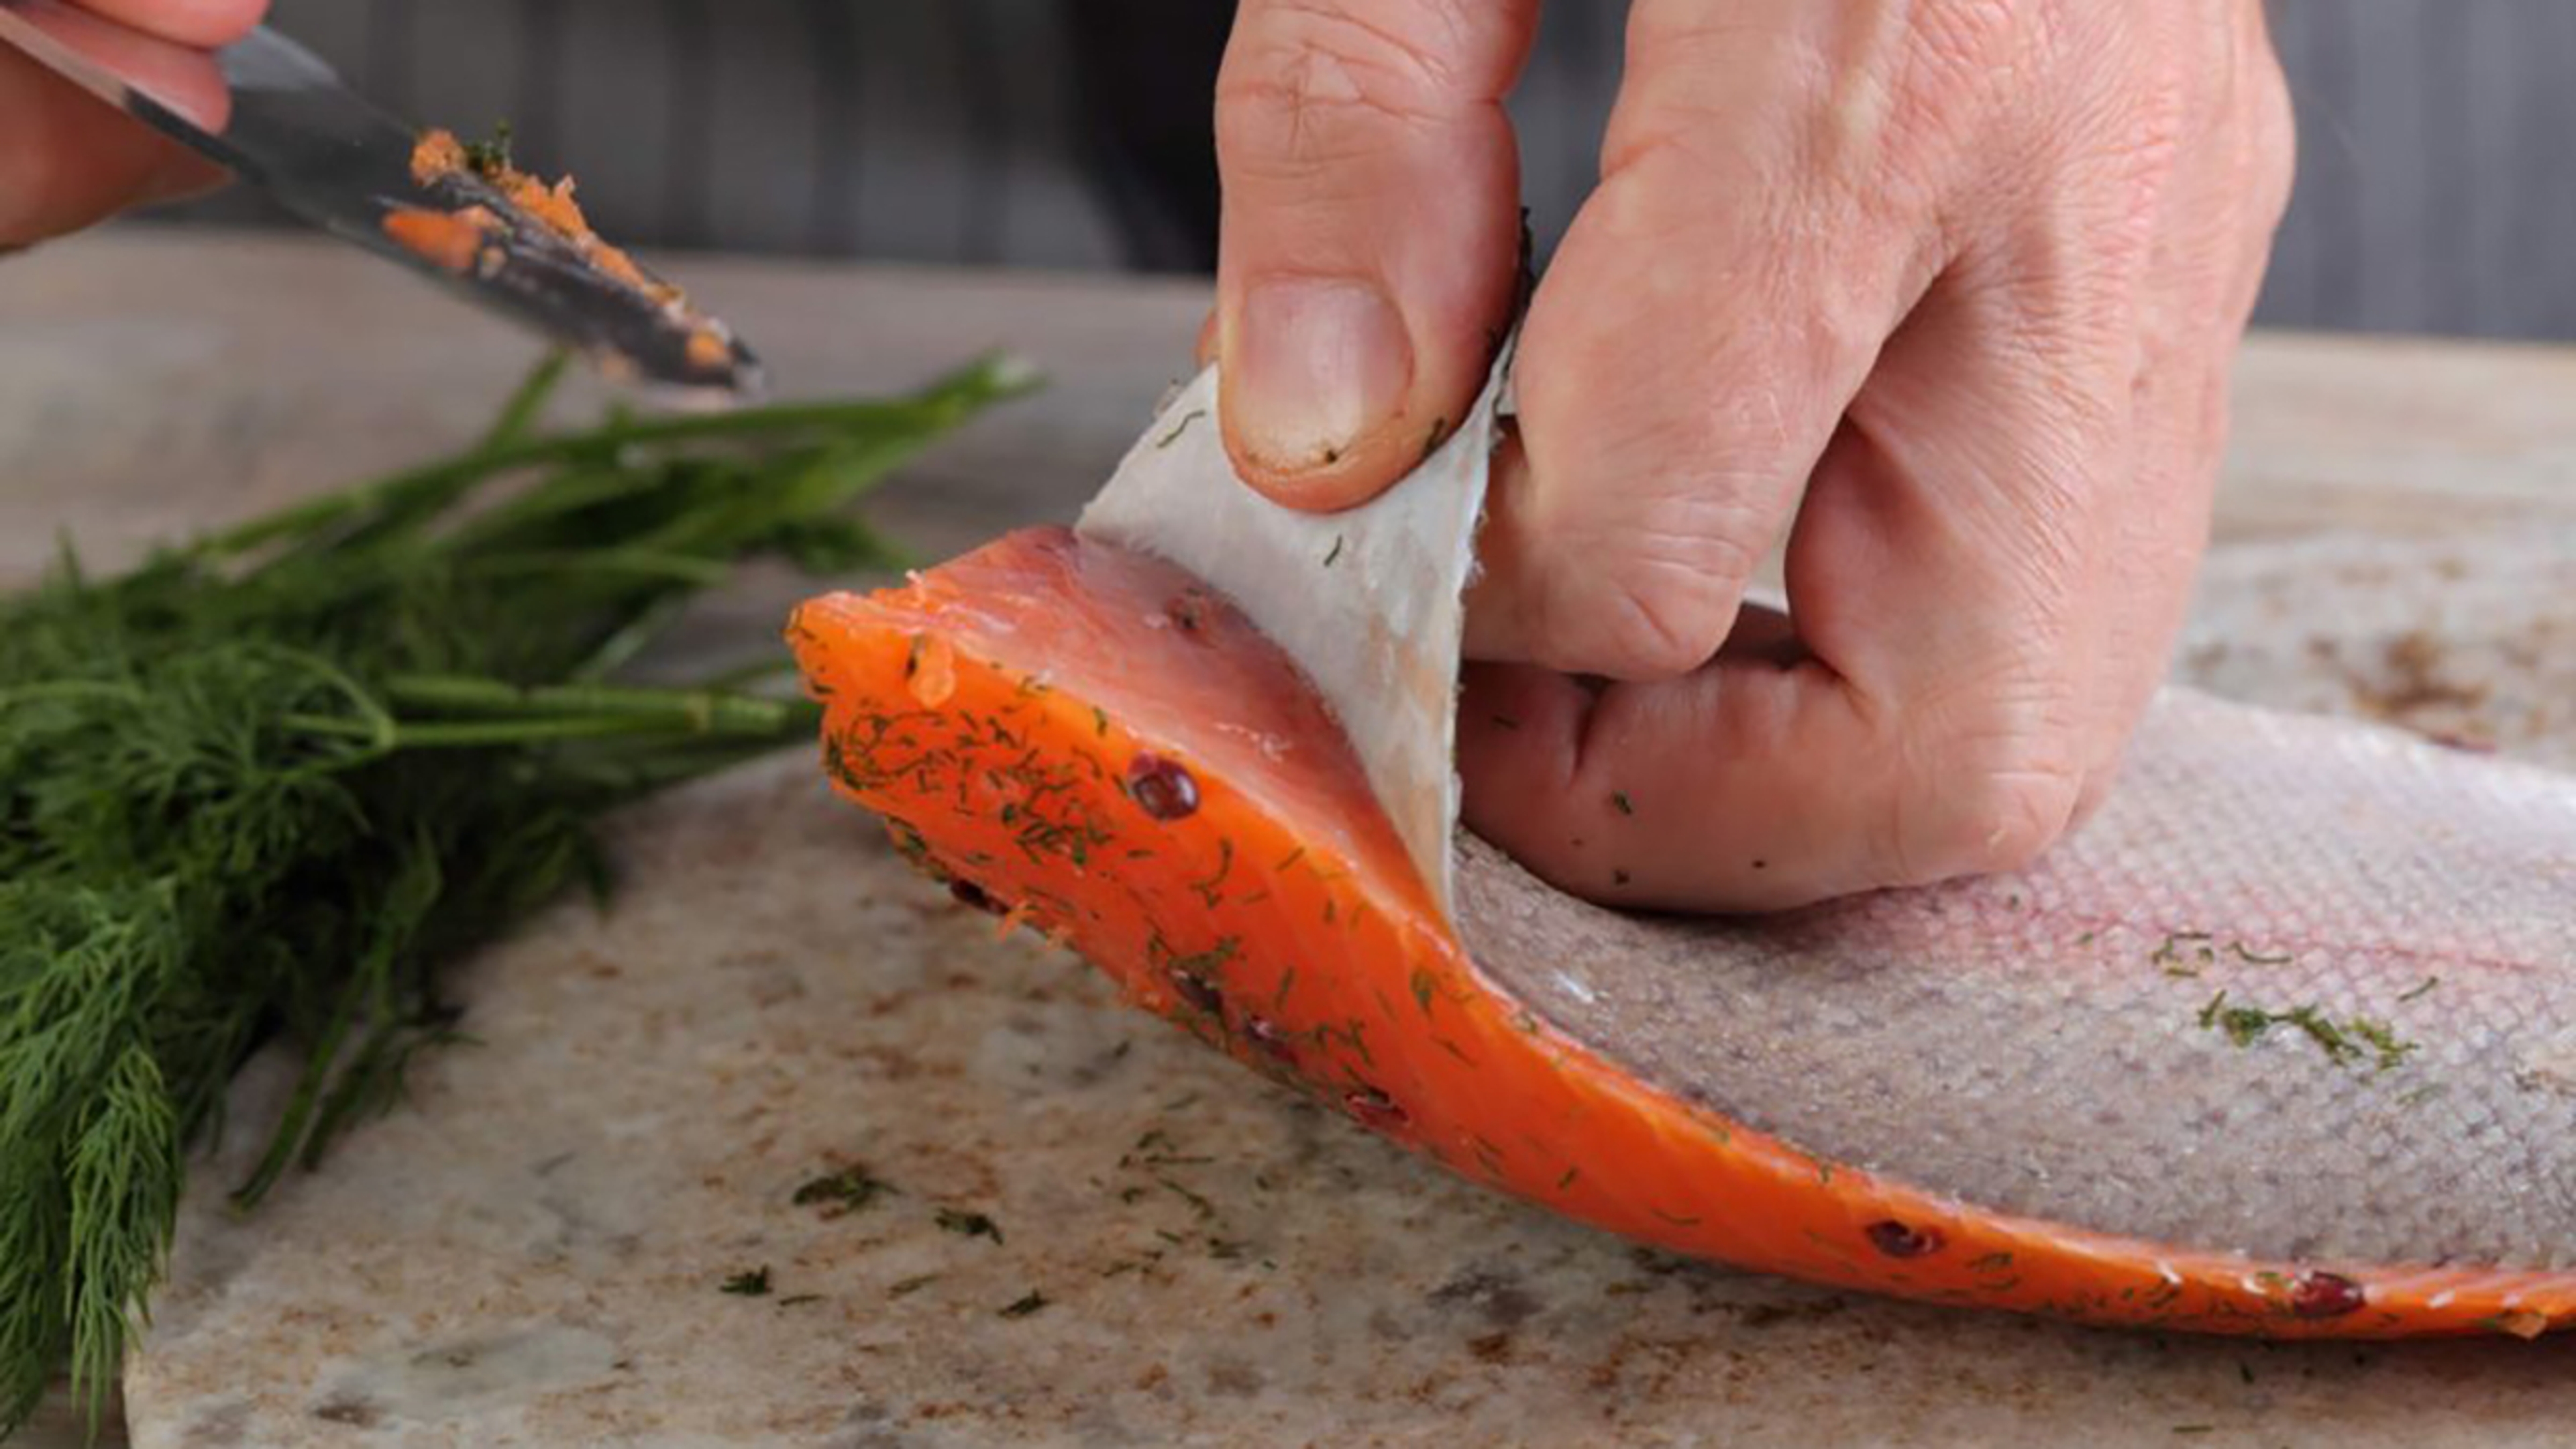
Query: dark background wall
x=2437, y=187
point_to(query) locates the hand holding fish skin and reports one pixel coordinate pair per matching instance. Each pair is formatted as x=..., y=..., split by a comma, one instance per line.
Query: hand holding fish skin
x=1945, y=291
x=68, y=160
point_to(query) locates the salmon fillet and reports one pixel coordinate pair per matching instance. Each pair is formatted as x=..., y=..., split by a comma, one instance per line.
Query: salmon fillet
x=2283, y=1043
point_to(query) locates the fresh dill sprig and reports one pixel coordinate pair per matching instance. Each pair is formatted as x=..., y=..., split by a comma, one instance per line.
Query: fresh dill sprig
x=261, y=786
x=490, y=158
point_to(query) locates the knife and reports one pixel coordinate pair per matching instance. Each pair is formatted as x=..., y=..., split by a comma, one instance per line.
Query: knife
x=276, y=115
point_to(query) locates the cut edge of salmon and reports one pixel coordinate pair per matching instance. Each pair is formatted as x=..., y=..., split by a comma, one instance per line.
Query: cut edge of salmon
x=1093, y=744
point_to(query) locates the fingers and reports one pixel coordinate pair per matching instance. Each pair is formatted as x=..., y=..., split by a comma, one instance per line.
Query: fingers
x=1371, y=232
x=68, y=159
x=179, y=74
x=201, y=23
x=2211, y=244
x=1940, y=724
x=1711, y=313
x=1998, y=528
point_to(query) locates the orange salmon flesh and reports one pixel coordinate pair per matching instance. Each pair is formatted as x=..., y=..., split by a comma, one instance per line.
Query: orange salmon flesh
x=1097, y=746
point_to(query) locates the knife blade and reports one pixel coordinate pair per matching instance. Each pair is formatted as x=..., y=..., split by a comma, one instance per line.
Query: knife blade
x=276, y=115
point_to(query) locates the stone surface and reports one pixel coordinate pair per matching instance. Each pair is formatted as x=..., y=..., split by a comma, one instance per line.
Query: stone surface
x=535, y=1250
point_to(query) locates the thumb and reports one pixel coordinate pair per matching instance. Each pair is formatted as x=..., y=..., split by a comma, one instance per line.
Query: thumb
x=1371, y=232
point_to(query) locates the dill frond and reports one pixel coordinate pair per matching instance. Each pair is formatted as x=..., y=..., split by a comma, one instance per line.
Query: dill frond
x=263, y=785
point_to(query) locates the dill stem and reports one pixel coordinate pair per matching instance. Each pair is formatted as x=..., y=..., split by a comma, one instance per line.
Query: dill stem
x=945, y=403
x=309, y=1084
x=520, y=413
x=469, y=713
x=702, y=711
x=631, y=638
x=481, y=734
x=642, y=563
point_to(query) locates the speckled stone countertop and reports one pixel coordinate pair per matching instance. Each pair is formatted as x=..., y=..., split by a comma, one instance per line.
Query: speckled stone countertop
x=988, y=1204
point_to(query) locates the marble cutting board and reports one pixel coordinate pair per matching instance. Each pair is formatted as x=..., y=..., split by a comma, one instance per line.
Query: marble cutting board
x=1045, y=1220
x=534, y=1252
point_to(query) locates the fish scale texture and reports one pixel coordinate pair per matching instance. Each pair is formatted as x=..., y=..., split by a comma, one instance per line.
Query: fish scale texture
x=2055, y=1044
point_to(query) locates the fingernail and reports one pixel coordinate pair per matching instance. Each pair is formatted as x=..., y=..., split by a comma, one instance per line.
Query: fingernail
x=1313, y=366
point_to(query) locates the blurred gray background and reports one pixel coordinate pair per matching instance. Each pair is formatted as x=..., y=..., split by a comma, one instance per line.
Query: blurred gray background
x=2437, y=166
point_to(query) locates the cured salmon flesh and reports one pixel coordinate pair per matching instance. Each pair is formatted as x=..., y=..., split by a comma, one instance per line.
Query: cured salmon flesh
x=2282, y=1043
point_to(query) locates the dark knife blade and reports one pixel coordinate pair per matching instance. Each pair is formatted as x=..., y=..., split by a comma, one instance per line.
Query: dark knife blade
x=276, y=115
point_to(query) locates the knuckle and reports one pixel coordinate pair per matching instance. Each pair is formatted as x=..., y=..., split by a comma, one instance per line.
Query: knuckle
x=1648, y=606
x=1658, y=623
x=2272, y=147
x=1989, y=794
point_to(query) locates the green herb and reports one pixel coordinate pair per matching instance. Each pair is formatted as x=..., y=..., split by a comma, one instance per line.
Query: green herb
x=2242, y=1026
x=261, y=786
x=1335, y=555
x=842, y=1192
x=2329, y=1037
x=970, y=1225
x=751, y=1284
x=1183, y=426
x=2383, y=1039
x=1025, y=1305
x=1620, y=799
x=2346, y=1041
x=905, y=1288
x=2171, y=951
x=489, y=159
x=799, y=1300
x=1208, y=889
x=2416, y=992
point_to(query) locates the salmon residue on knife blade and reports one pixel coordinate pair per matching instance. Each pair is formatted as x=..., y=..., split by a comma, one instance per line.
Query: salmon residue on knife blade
x=2274, y=1046
x=457, y=241
x=460, y=240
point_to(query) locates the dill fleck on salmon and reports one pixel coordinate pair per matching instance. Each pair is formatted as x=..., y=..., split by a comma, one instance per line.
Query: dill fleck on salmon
x=2350, y=1040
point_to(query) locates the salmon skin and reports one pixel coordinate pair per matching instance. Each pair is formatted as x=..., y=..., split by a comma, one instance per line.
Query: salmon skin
x=2280, y=1044
x=2283, y=1042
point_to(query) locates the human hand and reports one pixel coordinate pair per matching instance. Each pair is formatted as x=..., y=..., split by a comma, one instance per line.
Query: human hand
x=1947, y=291
x=68, y=159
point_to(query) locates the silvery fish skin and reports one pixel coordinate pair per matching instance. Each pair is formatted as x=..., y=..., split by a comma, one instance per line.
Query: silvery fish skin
x=1368, y=601
x=2304, y=989
x=2035, y=1044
